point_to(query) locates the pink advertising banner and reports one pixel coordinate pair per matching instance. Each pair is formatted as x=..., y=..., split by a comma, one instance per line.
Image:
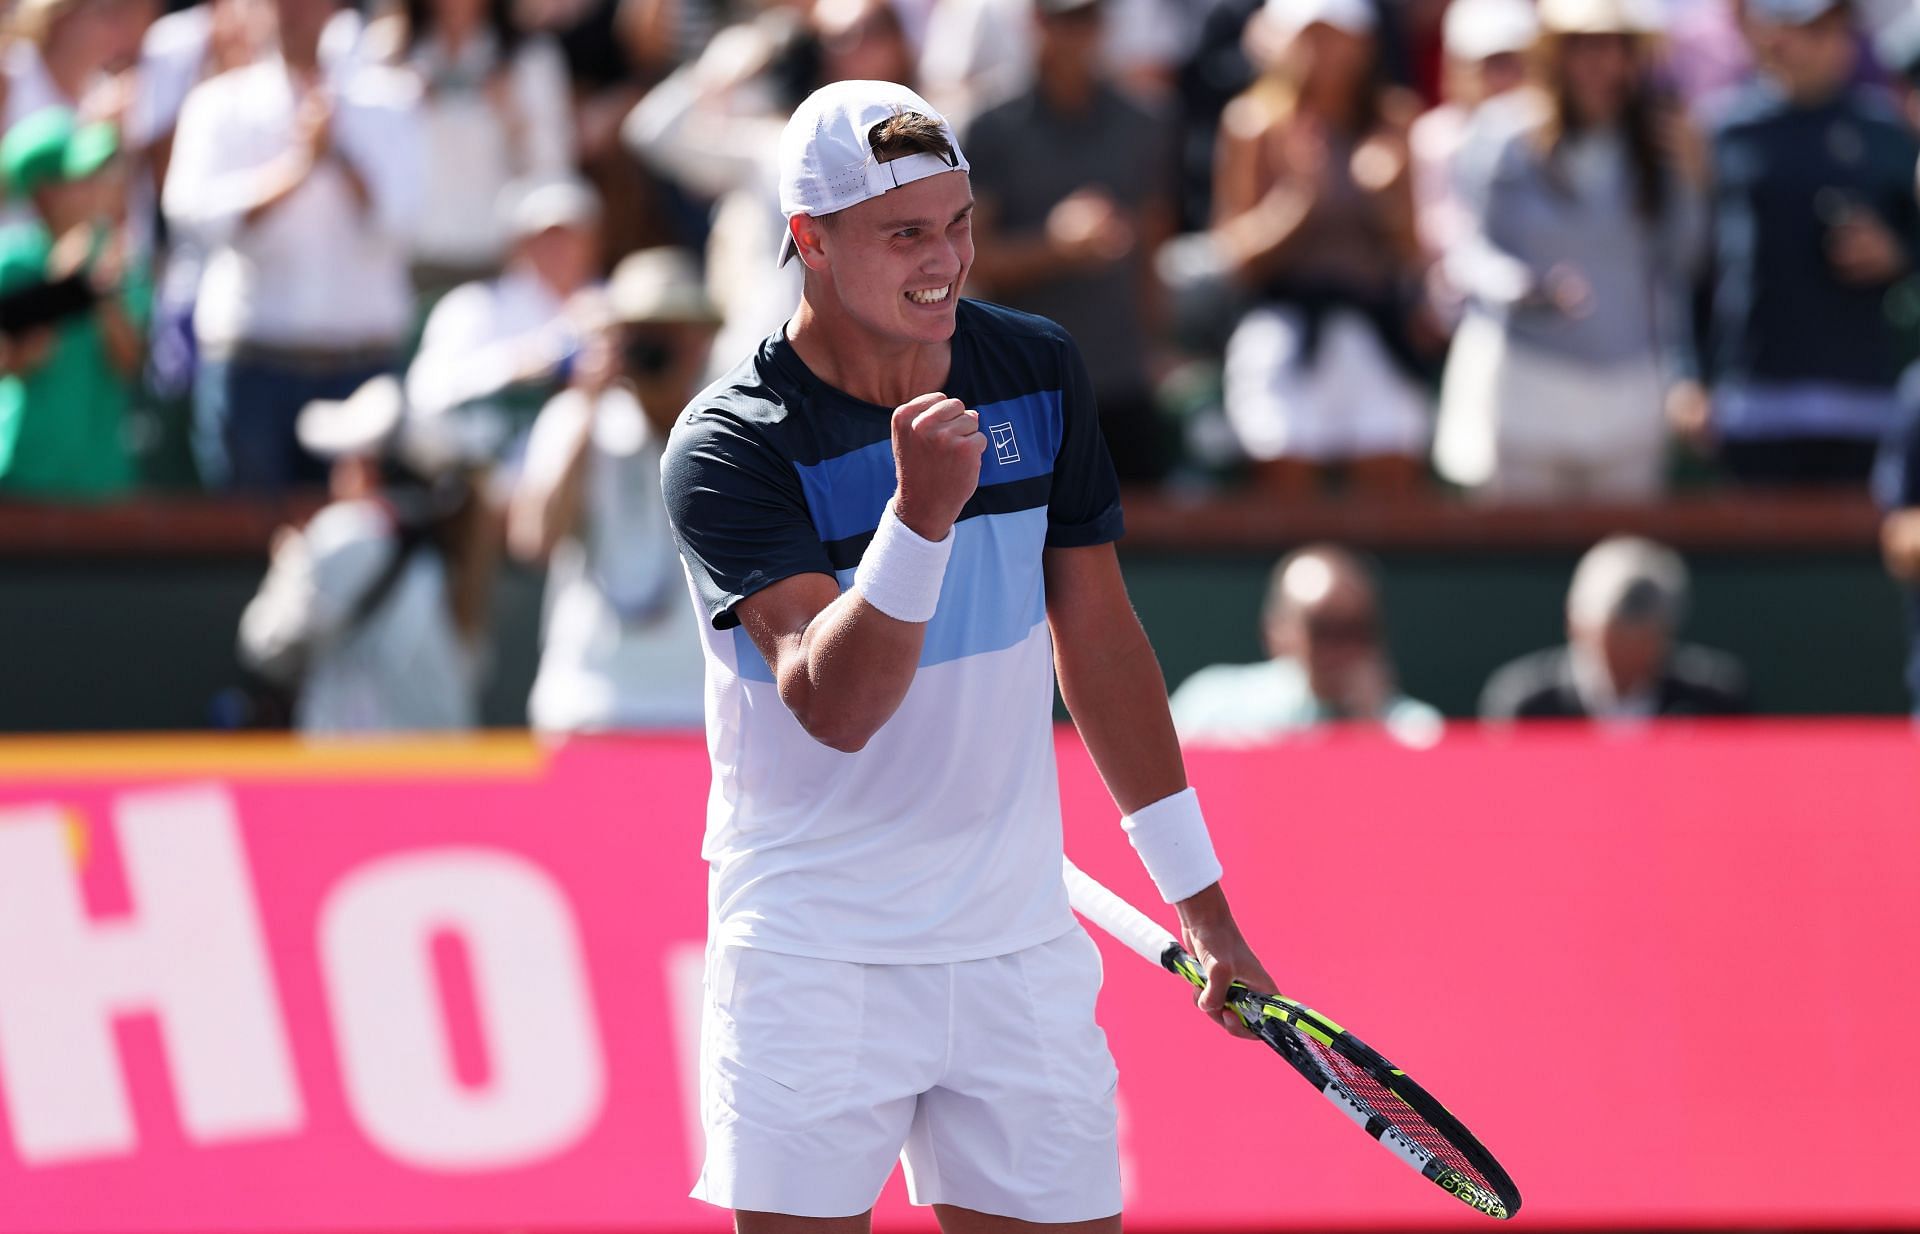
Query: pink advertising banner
x=1667, y=978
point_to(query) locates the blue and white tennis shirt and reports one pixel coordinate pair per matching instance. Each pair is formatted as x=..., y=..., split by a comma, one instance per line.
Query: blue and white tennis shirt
x=940, y=841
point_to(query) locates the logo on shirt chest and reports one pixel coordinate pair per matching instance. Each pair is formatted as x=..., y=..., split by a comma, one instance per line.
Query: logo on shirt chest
x=1005, y=448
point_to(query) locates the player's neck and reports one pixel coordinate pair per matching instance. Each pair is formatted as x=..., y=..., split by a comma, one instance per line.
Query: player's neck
x=871, y=367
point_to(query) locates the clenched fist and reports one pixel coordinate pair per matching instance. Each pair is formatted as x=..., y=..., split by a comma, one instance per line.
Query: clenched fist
x=937, y=445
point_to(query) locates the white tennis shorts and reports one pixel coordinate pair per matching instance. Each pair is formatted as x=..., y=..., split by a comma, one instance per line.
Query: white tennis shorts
x=988, y=1078
x=1350, y=401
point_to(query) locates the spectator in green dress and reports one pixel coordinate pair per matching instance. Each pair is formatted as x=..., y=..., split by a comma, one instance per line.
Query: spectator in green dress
x=66, y=379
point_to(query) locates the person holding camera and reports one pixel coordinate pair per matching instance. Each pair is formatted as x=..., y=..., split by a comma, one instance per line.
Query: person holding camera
x=71, y=314
x=621, y=649
x=374, y=612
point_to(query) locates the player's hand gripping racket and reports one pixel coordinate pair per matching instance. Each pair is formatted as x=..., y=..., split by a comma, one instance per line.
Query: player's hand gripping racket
x=1365, y=1087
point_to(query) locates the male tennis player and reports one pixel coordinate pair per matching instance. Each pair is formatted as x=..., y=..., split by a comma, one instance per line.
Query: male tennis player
x=898, y=516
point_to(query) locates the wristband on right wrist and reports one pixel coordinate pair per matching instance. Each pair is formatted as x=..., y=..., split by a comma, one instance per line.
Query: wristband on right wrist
x=901, y=572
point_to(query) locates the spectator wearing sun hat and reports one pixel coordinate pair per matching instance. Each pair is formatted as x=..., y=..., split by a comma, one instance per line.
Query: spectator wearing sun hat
x=1588, y=221
x=58, y=55
x=1485, y=44
x=70, y=364
x=621, y=644
x=371, y=612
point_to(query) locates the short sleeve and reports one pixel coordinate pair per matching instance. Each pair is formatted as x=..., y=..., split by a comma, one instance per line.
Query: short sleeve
x=1085, y=507
x=738, y=514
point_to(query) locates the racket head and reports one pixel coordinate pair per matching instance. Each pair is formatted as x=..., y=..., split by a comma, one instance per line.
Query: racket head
x=1378, y=1097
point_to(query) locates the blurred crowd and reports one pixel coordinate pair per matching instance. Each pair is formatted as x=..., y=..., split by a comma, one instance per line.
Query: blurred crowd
x=458, y=264
x=1536, y=250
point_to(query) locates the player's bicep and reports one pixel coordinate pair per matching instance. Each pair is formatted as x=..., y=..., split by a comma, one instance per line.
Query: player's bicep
x=1090, y=615
x=1085, y=588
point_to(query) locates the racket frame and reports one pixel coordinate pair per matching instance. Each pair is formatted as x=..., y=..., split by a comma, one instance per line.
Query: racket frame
x=1281, y=1022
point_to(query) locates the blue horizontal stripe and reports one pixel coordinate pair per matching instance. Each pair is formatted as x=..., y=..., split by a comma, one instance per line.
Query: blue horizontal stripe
x=846, y=494
x=993, y=595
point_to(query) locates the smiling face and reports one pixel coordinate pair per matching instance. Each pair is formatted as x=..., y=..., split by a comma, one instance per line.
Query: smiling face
x=895, y=265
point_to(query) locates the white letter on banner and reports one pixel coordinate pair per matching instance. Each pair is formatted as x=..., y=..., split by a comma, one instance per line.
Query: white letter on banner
x=546, y=1077
x=190, y=953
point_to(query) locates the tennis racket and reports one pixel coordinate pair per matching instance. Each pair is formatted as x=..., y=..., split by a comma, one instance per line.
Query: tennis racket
x=1368, y=1089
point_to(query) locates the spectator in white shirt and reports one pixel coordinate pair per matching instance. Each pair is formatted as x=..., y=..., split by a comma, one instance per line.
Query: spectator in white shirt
x=300, y=174
x=621, y=647
x=496, y=110
x=373, y=611
x=494, y=351
x=178, y=52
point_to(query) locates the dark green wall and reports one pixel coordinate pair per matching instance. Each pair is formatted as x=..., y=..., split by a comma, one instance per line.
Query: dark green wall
x=102, y=644
x=122, y=644
x=1819, y=633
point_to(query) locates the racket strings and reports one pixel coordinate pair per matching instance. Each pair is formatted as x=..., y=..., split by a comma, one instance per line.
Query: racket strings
x=1384, y=1105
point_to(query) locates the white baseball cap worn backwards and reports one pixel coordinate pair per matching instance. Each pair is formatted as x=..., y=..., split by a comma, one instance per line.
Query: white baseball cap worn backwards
x=826, y=156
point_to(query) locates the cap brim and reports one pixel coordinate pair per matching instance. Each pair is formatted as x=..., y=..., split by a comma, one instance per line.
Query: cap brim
x=360, y=424
x=1513, y=44
x=92, y=148
x=787, y=248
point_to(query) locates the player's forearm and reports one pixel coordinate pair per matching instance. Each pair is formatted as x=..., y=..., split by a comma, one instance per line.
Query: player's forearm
x=849, y=672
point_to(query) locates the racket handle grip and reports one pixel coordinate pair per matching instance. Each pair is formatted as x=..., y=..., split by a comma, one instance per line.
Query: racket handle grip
x=1117, y=917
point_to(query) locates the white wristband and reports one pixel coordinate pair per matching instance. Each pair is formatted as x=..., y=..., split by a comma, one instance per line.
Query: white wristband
x=1171, y=838
x=900, y=573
